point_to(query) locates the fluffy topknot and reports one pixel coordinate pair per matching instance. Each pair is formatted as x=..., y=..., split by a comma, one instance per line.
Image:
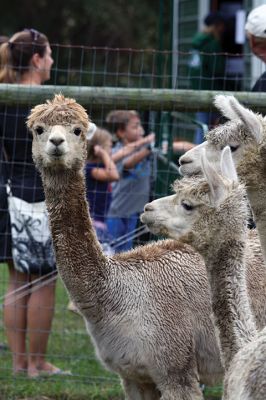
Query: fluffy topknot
x=194, y=186
x=59, y=111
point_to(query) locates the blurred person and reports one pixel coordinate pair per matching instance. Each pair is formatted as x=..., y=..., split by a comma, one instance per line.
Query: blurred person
x=256, y=32
x=25, y=59
x=100, y=172
x=131, y=155
x=207, y=64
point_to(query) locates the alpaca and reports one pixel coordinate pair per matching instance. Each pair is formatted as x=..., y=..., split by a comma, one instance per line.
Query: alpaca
x=245, y=133
x=138, y=333
x=147, y=311
x=210, y=214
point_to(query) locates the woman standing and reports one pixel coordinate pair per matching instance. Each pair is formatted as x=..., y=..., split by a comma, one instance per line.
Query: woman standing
x=25, y=59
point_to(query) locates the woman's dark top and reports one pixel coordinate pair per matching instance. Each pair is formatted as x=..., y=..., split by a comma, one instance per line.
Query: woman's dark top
x=260, y=85
x=16, y=140
x=98, y=194
x=17, y=165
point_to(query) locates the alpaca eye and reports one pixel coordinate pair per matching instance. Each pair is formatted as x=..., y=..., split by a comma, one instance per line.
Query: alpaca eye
x=233, y=148
x=186, y=206
x=39, y=130
x=77, y=131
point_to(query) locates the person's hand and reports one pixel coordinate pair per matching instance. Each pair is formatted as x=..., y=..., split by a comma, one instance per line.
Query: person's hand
x=182, y=146
x=150, y=138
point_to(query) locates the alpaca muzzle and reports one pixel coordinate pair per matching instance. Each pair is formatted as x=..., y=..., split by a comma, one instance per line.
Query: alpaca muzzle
x=57, y=145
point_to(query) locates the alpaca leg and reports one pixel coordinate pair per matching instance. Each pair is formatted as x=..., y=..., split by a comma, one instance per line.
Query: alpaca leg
x=182, y=393
x=150, y=392
x=132, y=390
x=140, y=391
x=188, y=390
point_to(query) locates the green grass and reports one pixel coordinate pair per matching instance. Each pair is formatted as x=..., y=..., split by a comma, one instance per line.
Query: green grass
x=70, y=349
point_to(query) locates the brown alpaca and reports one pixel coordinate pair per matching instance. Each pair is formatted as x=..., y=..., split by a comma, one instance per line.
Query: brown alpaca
x=210, y=214
x=148, y=310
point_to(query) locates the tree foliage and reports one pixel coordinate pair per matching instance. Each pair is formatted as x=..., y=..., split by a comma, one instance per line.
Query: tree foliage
x=119, y=23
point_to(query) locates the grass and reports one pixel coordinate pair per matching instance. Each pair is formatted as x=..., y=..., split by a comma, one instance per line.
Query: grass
x=70, y=349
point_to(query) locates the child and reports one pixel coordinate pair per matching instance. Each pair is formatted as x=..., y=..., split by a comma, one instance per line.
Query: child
x=100, y=171
x=131, y=192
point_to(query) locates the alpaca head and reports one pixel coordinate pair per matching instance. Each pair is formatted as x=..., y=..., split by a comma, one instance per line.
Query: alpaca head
x=245, y=134
x=59, y=129
x=202, y=207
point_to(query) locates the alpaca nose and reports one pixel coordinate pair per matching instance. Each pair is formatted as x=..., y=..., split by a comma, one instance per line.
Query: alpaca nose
x=148, y=207
x=57, y=141
x=184, y=160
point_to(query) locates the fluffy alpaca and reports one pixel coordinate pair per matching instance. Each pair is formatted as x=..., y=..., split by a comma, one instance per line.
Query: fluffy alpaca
x=137, y=330
x=210, y=214
x=245, y=133
x=148, y=310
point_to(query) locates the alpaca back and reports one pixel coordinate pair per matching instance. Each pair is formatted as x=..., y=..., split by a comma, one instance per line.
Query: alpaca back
x=157, y=311
x=163, y=296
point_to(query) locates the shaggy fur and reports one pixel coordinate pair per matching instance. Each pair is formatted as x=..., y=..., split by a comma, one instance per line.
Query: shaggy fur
x=148, y=311
x=245, y=133
x=251, y=166
x=216, y=227
x=222, y=135
x=59, y=111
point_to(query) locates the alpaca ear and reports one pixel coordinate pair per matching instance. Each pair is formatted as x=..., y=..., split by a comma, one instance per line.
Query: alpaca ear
x=214, y=180
x=92, y=129
x=249, y=119
x=232, y=109
x=227, y=165
x=222, y=103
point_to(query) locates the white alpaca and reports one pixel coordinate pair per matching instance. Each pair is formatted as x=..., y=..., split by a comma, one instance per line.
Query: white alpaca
x=210, y=214
x=245, y=133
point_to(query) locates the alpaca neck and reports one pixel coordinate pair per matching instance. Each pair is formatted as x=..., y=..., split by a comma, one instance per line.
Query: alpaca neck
x=226, y=272
x=256, y=198
x=80, y=260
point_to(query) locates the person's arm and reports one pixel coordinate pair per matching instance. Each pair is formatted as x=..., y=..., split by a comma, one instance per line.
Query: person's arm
x=131, y=147
x=182, y=145
x=107, y=173
x=138, y=156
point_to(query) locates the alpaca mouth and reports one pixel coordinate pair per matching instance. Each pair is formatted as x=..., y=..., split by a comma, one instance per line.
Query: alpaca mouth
x=150, y=218
x=156, y=226
x=57, y=153
x=188, y=172
x=155, y=229
x=144, y=219
x=151, y=224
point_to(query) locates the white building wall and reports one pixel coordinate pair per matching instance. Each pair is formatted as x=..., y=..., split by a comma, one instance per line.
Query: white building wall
x=257, y=66
x=203, y=10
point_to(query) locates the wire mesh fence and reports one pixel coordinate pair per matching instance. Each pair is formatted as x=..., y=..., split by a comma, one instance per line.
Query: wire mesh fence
x=117, y=72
